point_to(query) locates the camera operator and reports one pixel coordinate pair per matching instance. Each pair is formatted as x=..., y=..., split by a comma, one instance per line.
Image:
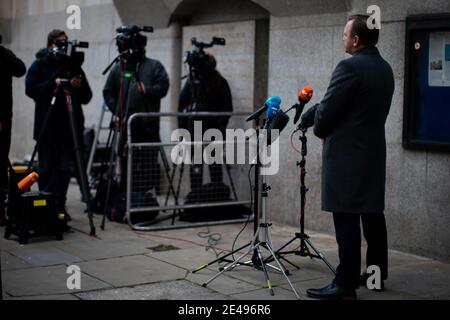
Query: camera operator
x=351, y=119
x=212, y=94
x=150, y=84
x=49, y=74
x=10, y=66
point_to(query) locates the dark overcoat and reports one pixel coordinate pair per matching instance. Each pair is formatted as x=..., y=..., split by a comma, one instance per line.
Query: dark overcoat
x=351, y=119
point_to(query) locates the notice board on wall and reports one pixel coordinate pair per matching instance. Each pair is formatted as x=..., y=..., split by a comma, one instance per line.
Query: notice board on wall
x=427, y=83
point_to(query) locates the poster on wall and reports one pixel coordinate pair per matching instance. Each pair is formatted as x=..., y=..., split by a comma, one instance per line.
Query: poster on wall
x=439, y=60
x=427, y=83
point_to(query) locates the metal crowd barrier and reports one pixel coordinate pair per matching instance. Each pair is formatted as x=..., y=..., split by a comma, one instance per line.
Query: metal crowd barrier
x=163, y=194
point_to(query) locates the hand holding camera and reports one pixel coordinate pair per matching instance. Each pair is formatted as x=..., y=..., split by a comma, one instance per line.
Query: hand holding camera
x=141, y=87
x=76, y=81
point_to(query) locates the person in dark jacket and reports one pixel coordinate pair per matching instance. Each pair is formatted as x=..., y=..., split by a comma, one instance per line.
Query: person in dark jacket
x=10, y=66
x=351, y=119
x=213, y=95
x=145, y=90
x=45, y=80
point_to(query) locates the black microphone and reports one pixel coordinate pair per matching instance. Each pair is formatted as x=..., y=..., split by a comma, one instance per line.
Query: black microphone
x=308, y=118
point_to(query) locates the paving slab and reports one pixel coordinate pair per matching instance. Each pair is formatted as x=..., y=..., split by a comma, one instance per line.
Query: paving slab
x=102, y=249
x=43, y=256
x=428, y=280
x=183, y=239
x=264, y=295
x=188, y=259
x=388, y=294
x=172, y=290
x=10, y=262
x=62, y=297
x=397, y=258
x=223, y=284
x=256, y=277
x=302, y=286
x=44, y=281
x=13, y=243
x=133, y=270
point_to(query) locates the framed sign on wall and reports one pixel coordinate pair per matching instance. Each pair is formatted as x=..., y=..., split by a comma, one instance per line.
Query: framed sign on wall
x=426, y=123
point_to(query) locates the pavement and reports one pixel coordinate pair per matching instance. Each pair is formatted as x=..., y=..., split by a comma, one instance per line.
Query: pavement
x=121, y=264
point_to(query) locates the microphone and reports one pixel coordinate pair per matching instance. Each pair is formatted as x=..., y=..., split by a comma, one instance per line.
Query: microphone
x=260, y=111
x=273, y=108
x=304, y=96
x=308, y=118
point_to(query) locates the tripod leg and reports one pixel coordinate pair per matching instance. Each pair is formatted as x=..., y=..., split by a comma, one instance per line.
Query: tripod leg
x=279, y=251
x=110, y=173
x=233, y=188
x=171, y=179
x=269, y=247
x=289, y=262
x=167, y=171
x=228, y=267
x=266, y=274
x=304, y=250
x=284, y=273
x=221, y=259
x=80, y=164
x=178, y=188
x=279, y=255
x=322, y=257
x=94, y=148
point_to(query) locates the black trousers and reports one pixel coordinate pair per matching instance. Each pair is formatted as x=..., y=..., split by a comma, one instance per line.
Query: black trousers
x=5, y=144
x=348, y=236
x=56, y=167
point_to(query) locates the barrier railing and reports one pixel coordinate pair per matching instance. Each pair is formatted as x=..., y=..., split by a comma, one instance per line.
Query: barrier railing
x=188, y=182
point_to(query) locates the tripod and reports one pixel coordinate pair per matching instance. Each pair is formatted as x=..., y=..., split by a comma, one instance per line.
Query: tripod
x=305, y=242
x=116, y=131
x=64, y=86
x=262, y=238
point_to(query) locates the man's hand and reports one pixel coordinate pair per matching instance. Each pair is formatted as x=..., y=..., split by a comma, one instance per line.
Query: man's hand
x=76, y=82
x=141, y=87
x=58, y=82
x=309, y=117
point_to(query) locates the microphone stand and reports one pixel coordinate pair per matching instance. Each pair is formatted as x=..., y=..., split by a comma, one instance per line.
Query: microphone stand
x=262, y=237
x=305, y=242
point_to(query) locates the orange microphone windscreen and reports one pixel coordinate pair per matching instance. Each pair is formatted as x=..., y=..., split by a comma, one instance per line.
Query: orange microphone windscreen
x=306, y=94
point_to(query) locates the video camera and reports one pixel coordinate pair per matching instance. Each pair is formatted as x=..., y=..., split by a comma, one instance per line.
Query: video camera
x=198, y=60
x=129, y=39
x=131, y=45
x=66, y=52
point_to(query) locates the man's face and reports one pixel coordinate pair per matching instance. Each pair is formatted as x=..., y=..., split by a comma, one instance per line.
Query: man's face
x=349, y=40
x=60, y=38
